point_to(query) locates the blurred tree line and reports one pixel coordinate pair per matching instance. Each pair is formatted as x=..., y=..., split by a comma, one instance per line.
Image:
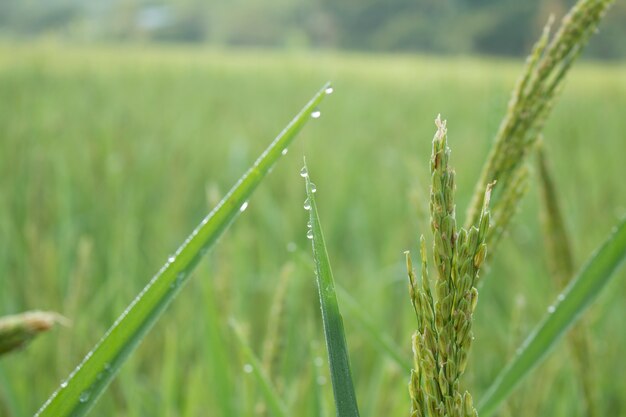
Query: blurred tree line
x=495, y=27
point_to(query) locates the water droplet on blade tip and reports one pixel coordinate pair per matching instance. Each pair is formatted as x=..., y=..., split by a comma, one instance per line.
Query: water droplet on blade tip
x=329, y=90
x=316, y=114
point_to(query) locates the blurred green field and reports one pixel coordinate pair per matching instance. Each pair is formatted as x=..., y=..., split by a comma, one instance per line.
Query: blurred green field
x=110, y=156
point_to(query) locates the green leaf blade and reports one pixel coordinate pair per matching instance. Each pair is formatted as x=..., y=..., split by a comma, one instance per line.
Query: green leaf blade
x=272, y=398
x=379, y=339
x=338, y=357
x=570, y=305
x=79, y=392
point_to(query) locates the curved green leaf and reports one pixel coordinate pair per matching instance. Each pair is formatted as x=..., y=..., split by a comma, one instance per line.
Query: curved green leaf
x=80, y=391
x=569, y=306
x=338, y=358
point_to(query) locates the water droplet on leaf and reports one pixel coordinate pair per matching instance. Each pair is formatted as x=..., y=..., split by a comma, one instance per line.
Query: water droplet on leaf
x=247, y=368
x=243, y=207
x=84, y=396
x=304, y=173
x=309, y=234
x=316, y=114
x=329, y=90
x=284, y=152
x=313, y=188
x=307, y=204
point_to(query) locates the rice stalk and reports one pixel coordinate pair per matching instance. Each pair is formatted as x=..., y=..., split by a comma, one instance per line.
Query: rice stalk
x=273, y=343
x=444, y=318
x=16, y=331
x=530, y=104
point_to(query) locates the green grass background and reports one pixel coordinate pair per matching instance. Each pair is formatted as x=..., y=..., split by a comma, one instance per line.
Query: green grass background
x=109, y=157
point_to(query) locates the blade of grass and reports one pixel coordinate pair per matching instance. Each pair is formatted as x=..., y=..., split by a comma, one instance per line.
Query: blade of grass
x=569, y=306
x=216, y=356
x=381, y=340
x=559, y=254
x=317, y=410
x=338, y=358
x=272, y=399
x=79, y=392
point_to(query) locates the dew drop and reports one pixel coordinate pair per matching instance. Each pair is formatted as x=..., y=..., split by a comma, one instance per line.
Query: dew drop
x=309, y=234
x=561, y=297
x=84, y=396
x=243, y=207
x=551, y=309
x=64, y=384
x=313, y=188
x=316, y=113
x=307, y=204
x=329, y=90
x=304, y=173
x=308, y=224
x=284, y=152
x=171, y=259
x=247, y=368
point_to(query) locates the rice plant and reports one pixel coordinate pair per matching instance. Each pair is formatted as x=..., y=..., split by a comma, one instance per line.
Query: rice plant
x=76, y=395
x=18, y=330
x=529, y=107
x=444, y=321
x=444, y=316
